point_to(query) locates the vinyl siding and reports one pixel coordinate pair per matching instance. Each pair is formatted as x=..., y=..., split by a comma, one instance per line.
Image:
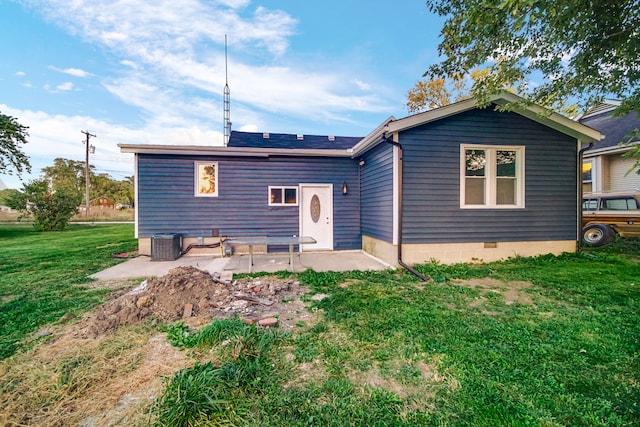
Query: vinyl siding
x=377, y=193
x=166, y=201
x=431, y=207
x=619, y=177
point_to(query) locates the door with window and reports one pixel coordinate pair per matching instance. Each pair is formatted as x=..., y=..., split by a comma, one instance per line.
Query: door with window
x=316, y=215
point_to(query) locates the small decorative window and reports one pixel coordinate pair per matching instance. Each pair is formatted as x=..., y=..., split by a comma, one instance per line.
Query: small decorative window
x=283, y=196
x=491, y=177
x=206, y=179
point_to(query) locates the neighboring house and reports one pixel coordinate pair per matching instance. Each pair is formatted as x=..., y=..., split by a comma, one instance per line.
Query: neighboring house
x=454, y=184
x=103, y=202
x=604, y=166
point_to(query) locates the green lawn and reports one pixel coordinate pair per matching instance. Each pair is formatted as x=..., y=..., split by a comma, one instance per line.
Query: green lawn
x=42, y=274
x=546, y=341
x=391, y=351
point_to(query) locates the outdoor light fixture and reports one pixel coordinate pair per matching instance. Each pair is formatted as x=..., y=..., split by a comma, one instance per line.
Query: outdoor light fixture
x=345, y=189
x=361, y=162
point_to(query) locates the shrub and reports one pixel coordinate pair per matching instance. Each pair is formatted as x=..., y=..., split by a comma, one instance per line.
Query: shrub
x=51, y=210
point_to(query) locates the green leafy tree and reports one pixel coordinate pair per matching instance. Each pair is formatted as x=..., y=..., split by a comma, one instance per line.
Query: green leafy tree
x=118, y=191
x=125, y=192
x=66, y=175
x=102, y=185
x=50, y=210
x=578, y=49
x=6, y=194
x=12, y=136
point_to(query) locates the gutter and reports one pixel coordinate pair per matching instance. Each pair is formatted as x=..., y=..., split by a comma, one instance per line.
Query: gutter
x=580, y=194
x=400, y=262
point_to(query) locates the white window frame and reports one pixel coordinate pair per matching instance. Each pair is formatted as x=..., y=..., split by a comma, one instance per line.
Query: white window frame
x=490, y=195
x=283, y=188
x=196, y=179
x=592, y=181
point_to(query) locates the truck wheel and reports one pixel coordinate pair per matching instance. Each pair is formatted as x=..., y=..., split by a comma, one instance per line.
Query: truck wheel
x=597, y=234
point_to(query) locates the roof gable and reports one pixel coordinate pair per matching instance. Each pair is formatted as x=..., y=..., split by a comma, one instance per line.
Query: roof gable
x=606, y=106
x=291, y=141
x=538, y=114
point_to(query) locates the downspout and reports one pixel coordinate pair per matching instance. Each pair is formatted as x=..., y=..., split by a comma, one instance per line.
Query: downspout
x=400, y=262
x=580, y=194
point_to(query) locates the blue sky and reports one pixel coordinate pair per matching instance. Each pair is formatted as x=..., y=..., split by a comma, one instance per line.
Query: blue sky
x=139, y=71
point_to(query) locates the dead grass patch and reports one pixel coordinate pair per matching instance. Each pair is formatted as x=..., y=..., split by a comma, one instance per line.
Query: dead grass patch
x=416, y=382
x=512, y=292
x=107, y=381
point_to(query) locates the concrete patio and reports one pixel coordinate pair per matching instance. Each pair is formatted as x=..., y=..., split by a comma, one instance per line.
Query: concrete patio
x=142, y=266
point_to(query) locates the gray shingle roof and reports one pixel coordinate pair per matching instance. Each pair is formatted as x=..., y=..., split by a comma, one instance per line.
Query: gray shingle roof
x=285, y=140
x=615, y=129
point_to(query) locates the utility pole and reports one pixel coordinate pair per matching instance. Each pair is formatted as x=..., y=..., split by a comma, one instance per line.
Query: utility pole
x=87, y=147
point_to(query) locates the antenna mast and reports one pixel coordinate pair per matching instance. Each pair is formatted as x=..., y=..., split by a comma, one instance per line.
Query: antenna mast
x=227, y=98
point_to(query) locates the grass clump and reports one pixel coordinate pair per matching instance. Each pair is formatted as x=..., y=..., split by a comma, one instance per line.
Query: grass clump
x=247, y=367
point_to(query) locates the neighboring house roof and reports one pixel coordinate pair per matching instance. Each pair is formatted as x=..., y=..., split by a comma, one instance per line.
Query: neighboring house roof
x=615, y=129
x=284, y=140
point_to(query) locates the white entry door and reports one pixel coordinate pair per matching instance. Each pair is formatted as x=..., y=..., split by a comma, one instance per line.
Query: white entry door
x=316, y=215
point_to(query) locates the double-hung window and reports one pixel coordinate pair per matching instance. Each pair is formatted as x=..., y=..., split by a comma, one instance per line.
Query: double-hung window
x=491, y=176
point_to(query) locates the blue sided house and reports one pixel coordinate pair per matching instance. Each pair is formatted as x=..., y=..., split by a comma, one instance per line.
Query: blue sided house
x=455, y=184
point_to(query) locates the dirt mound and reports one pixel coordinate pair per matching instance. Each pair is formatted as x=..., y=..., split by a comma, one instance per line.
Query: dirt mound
x=187, y=291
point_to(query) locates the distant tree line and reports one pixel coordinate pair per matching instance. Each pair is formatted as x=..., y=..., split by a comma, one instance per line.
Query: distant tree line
x=69, y=175
x=54, y=198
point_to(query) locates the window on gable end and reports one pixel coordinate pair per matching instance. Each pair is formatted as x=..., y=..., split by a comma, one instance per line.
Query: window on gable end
x=491, y=177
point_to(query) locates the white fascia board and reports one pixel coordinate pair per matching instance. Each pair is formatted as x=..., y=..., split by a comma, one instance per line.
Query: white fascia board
x=550, y=119
x=609, y=150
x=198, y=150
x=373, y=138
x=431, y=115
x=135, y=196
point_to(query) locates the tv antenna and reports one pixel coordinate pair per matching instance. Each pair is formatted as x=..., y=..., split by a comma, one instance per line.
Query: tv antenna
x=227, y=98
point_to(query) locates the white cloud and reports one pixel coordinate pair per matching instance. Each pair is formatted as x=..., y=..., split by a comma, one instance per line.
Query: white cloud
x=56, y=135
x=361, y=85
x=64, y=86
x=76, y=72
x=21, y=74
x=177, y=50
x=161, y=25
x=130, y=64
